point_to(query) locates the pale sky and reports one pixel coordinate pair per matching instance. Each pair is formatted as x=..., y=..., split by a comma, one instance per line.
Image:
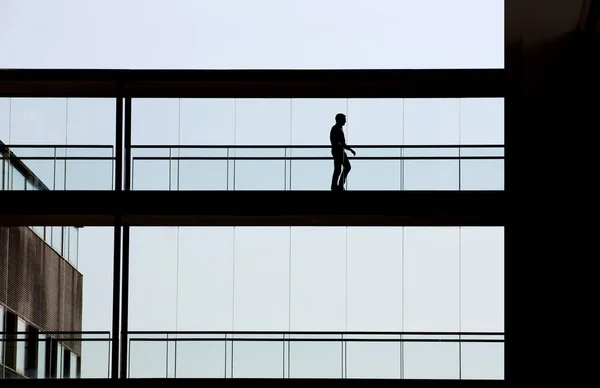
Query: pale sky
x=411, y=279
x=257, y=34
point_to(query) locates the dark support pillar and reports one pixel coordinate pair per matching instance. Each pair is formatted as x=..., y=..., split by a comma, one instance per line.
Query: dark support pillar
x=117, y=239
x=125, y=287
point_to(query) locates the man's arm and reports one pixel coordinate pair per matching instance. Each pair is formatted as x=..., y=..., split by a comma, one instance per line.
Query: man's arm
x=342, y=140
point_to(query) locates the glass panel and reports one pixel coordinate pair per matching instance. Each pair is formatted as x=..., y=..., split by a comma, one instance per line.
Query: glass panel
x=482, y=121
x=151, y=174
x=66, y=244
x=313, y=118
x=375, y=121
x=57, y=235
x=373, y=360
x=5, y=119
x=374, y=279
x=39, y=230
x=431, y=360
x=41, y=361
x=38, y=121
x=21, y=328
x=310, y=174
x=5, y=174
x=205, y=279
x=153, y=268
x=207, y=121
x=200, y=359
x=316, y=359
x=155, y=121
x=482, y=174
x=73, y=366
x=374, y=174
x=203, y=174
x=431, y=175
x=480, y=360
x=24, y=152
x=259, y=174
x=171, y=356
x=59, y=174
x=17, y=180
x=431, y=121
x=481, y=151
x=59, y=361
x=262, y=279
x=482, y=279
x=318, y=279
x=431, y=279
x=73, y=246
x=147, y=359
x=95, y=362
x=91, y=121
x=256, y=359
x=89, y=175
x=43, y=170
x=262, y=121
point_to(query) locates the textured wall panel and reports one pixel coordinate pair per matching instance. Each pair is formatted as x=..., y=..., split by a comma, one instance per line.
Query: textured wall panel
x=38, y=283
x=4, y=231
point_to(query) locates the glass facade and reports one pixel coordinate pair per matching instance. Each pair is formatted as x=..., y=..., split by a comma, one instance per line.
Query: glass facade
x=385, y=302
x=257, y=144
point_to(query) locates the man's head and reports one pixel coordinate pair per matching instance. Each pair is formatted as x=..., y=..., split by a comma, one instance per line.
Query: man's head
x=340, y=119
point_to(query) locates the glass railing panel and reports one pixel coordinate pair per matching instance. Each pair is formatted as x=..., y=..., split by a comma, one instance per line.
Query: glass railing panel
x=431, y=357
x=87, y=152
x=16, y=179
x=199, y=171
x=431, y=174
x=57, y=239
x=375, y=175
x=73, y=246
x=148, y=358
x=366, y=358
x=485, y=174
x=152, y=152
x=257, y=356
x=259, y=168
x=482, y=357
x=60, y=169
x=24, y=152
x=200, y=356
x=151, y=174
x=89, y=174
x=316, y=359
x=4, y=173
x=95, y=356
x=496, y=151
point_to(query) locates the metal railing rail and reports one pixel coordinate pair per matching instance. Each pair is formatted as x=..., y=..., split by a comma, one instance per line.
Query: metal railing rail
x=229, y=338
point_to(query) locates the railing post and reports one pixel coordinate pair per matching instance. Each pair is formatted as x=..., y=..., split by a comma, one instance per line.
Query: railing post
x=117, y=236
x=126, y=237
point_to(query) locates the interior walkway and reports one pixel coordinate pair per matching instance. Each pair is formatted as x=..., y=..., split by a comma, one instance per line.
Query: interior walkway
x=255, y=208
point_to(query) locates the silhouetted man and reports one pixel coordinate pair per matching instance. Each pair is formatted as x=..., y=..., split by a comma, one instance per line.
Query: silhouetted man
x=340, y=159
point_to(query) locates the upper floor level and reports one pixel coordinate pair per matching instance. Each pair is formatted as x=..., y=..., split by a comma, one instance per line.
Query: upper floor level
x=255, y=143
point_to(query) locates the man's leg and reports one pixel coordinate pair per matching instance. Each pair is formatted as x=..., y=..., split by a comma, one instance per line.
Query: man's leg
x=337, y=170
x=345, y=172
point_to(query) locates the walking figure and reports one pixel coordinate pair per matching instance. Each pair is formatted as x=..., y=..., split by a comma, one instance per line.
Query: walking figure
x=341, y=164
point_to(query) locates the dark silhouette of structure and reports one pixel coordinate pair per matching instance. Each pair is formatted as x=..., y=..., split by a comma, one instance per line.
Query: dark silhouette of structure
x=340, y=159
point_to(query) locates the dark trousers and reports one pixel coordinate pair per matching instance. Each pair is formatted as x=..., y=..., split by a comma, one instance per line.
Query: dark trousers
x=341, y=169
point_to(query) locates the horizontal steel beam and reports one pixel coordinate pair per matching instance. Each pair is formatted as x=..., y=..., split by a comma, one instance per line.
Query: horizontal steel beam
x=254, y=83
x=255, y=208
